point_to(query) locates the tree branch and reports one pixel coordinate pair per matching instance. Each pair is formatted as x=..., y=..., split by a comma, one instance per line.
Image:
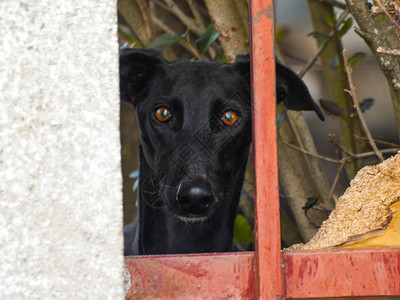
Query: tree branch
x=132, y=14
x=377, y=35
x=396, y=24
x=353, y=94
x=381, y=142
x=197, y=14
x=305, y=140
x=144, y=9
x=336, y=180
x=333, y=140
x=312, y=154
x=233, y=36
x=393, y=52
x=321, y=48
x=189, y=22
x=346, y=159
x=336, y=81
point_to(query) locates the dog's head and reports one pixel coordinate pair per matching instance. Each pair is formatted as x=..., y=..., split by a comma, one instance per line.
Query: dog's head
x=195, y=124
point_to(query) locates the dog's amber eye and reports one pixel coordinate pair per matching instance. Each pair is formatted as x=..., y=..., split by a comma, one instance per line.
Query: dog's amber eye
x=229, y=117
x=163, y=114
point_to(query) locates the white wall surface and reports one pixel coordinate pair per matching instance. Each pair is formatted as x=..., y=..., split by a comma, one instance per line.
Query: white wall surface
x=60, y=178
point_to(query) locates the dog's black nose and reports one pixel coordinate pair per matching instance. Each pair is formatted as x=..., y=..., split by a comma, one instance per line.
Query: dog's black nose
x=195, y=196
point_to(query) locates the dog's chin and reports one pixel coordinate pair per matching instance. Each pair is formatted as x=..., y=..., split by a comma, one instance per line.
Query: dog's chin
x=192, y=218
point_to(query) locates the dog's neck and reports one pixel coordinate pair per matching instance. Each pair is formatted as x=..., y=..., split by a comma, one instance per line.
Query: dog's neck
x=160, y=232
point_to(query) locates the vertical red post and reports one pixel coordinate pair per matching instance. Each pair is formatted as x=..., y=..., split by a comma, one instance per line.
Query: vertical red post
x=268, y=242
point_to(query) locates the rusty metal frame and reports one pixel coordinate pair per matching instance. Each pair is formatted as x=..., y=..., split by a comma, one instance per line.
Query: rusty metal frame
x=266, y=273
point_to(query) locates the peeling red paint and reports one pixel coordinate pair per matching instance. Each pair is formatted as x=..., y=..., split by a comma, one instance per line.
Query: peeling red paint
x=268, y=12
x=268, y=276
x=207, y=276
x=338, y=273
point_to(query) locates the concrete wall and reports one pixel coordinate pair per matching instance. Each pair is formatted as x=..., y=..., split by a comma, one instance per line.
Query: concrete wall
x=60, y=178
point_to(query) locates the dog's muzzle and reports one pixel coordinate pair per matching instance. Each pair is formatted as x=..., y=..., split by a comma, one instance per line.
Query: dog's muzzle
x=195, y=197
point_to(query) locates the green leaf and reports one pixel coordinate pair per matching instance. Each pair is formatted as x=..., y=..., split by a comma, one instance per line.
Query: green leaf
x=330, y=20
x=366, y=104
x=135, y=185
x=280, y=119
x=242, y=233
x=128, y=34
x=311, y=201
x=207, y=38
x=356, y=58
x=165, y=40
x=335, y=62
x=134, y=174
x=331, y=108
x=320, y=36
x=345, y=27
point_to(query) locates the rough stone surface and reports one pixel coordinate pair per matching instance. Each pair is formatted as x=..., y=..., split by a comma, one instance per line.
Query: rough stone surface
x=60, y=178
x=365, y=207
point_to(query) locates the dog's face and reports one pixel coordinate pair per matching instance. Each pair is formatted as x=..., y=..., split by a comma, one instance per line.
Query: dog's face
x=195, y=124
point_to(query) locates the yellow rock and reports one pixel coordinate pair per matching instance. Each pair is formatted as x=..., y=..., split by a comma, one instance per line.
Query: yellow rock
x=365, y=215
x=389, y=237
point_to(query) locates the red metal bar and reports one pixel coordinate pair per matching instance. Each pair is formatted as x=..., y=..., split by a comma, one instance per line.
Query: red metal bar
x=268, y=243
x=342, y=273
x=227, y=276
x=308, y=274
x=218, y=276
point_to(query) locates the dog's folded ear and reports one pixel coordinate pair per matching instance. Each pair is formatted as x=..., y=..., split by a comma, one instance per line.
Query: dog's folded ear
x=137, y=67
x=242, y=63
x=290, y=88
x=293, y=92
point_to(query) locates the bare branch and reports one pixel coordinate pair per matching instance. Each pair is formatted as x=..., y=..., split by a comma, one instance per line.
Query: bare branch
x=197, y=14
x=163, y=6
x=163, y=26
x=131, y=13
x=144, y=9
x=189, y=22
x=353, y=94
x=376, y=34
x=336, y=181
x=333, y=140
x=312, y=154
x=346, y=159
x=371, y=153
x=314, y=58
x=194, y=50
x=383, y=143
x=393, y=52
x=389, y=16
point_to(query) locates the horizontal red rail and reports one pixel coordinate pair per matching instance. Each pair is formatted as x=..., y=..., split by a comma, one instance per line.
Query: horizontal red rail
x=342, y=273
x=307, y=274
x=207, y=276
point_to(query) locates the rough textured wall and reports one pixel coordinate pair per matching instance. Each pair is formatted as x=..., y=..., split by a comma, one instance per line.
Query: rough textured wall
x=60, y=178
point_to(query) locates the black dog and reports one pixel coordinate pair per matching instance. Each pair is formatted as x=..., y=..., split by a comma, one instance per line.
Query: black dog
x=195, y=124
